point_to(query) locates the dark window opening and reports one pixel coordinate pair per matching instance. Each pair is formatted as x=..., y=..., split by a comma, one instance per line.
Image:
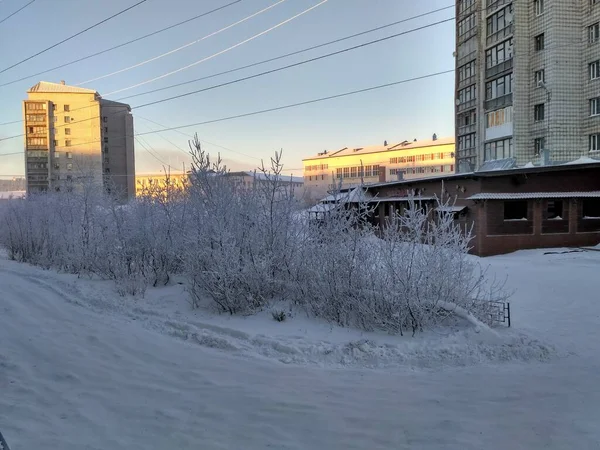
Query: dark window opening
x=591, y=208
x=554, y=210
x=515, y=210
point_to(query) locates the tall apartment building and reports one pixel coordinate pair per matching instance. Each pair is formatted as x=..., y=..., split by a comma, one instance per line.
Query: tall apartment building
x=527, y=81
x=378, y=163
x=73, y=134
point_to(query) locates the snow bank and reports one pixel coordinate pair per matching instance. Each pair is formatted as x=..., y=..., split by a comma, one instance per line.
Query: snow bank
x=299, y=340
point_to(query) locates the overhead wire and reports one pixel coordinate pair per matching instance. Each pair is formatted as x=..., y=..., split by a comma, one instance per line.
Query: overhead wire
x=154, y=33
x=271, y=71
x=293, y=105
x=297, y=52
x=160, y=77
x=74, y=35
x=175, y=50
x=16, y=12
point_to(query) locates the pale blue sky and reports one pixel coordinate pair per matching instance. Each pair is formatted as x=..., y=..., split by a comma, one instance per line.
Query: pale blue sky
x=413, y=110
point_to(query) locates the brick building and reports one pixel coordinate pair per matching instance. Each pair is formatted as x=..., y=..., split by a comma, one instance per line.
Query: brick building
x=531, y=207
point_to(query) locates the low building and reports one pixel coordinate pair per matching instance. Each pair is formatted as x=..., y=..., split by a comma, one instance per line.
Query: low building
x=154, y=183
x=378, y=163
x=510, y=209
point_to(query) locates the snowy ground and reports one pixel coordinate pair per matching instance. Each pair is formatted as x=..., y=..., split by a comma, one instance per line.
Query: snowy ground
x=81, y=368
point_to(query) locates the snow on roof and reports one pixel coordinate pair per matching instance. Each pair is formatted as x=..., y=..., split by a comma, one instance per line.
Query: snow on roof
x=322, y=207
x=403, y=145
x=46, y=86
x=356, y=195
x=532, y=195
x=401, y=199
x=5, y=195
x=452, y=209
x=262, y=177
x=582, y=160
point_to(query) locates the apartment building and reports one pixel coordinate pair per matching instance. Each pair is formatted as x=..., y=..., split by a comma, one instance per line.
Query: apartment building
x=378, y=163
x=72, y=134
x=527, y=81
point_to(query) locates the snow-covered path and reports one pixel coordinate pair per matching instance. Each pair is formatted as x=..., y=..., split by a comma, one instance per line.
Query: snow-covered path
x=73, y=378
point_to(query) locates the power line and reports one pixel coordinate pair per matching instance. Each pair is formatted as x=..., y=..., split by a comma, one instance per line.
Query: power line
x=123, y=44
x=293, y=105
x=17, y=11
x=283, y=68
x=262, y=73
x=300, y=63
x=73, y=36
x=289, y=54
x=191, y=137
x=151, y=80
x=175, y=50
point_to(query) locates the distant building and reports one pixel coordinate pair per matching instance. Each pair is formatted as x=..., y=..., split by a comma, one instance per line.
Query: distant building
x=72, y=133
x=378, y=163
x=527, y=74
x=248, y=179
x=151, y=184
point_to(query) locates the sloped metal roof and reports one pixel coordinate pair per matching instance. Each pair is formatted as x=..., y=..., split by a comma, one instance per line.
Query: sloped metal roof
x=532, y=195
x=45, y=86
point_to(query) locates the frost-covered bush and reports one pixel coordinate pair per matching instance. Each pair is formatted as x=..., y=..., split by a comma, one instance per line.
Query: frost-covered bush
x=240, y=246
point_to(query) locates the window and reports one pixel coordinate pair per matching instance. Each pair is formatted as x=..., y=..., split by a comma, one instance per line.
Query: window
x=67, y=119
x=539, y=144
x=338, y=173
x=515, y=210
x=69, y=166
x=393, y=160
x=368, y=171
x=104, y=119
x=539, y=7
x=35, y=106
x=41, y=141
x=69, y=155
x=394, y=171
x=466, y=145
x=499, y=87
x=595, y=70
x=67, y=131
x=55, y=142
x=463, y=5
x=499, y=53
x=346, y=172
x=68, y=143
x=467, y=24
x=106, y=139
x=466, y=94
x=539, y=42
x=467, y=119
x=499, y=117
x=466, y=71
x=554, y=209
x=106, y=149
x=591, y=208
x=538, y=112
x=375, y=171
x=499, y=20
x=500, y=149
x=594, y=32
x=595, y=106
x=353, y=172
x=66, y=108
x=540, y=77
x=594, y=142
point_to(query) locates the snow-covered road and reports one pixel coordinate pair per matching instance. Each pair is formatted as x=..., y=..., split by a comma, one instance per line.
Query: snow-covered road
x=74, y=378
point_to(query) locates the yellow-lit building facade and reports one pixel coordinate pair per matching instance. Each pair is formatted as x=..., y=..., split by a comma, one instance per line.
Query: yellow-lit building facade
x=379, y=163
x=72, y=134
x=159, y=183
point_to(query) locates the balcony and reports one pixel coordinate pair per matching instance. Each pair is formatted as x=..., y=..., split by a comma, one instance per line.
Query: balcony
x=467, y=82
x=495, y=5
x=499, y=35
x=468, y=104
x=467, y=129
x=499, y=102
x=504, y=66
x=467, y=35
